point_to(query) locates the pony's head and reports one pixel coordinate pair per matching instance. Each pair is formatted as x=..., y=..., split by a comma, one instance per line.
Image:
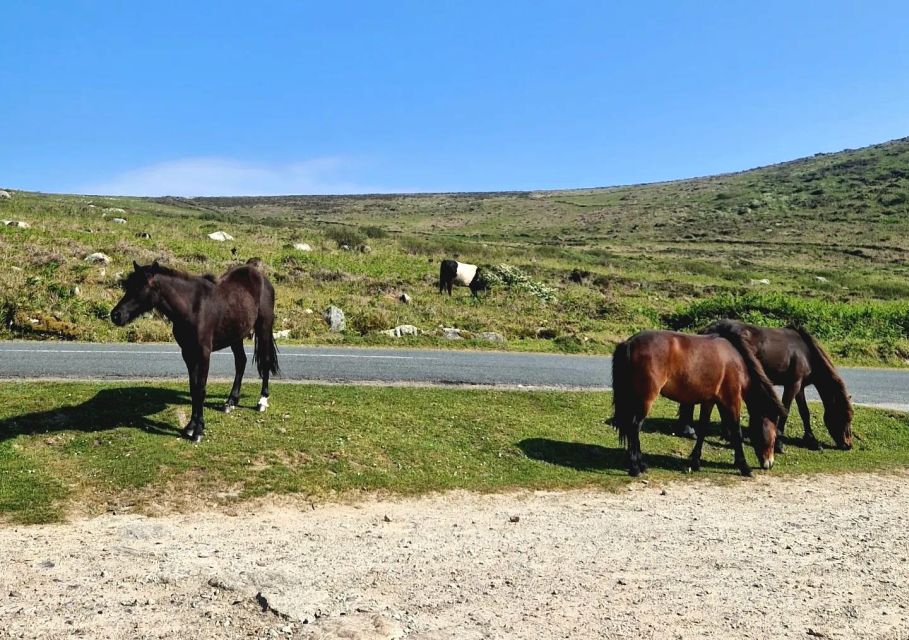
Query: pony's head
x=763, y=439
x=838, y=420
x=139, y=294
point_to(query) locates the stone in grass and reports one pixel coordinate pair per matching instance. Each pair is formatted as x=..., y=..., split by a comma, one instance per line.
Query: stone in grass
x=98, y=258
x=491, y=336
x=302, y=246
x=220, y=236
x=402, y=330
x=334, y=318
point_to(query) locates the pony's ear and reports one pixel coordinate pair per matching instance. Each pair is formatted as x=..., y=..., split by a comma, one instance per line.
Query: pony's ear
x=137, y=266
x=155, y=266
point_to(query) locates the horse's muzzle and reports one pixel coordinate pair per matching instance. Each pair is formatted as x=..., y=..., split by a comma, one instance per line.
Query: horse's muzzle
x=117, y=318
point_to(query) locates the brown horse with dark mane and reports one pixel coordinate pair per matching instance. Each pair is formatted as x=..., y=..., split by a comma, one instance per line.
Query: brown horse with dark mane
x=791, y=357
x=693, y=369
x=208, y=314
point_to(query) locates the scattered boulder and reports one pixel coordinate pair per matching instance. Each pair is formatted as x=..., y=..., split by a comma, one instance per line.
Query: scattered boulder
x=220, y=236
x=545, y=333
x=820, y=278
x=761, y=281
x=308, y=311
x=144, y=234
x=19, y=224
x=402, y=330
x=345, y=247
x=118, y=220
x=450, y=333
x=282, y=334
x=365, y=248
x=5, y=195
x=98, y=258
x=302, y=246
x=491, y=336
x=334, y=318
x=115, y=210
x=405, y=298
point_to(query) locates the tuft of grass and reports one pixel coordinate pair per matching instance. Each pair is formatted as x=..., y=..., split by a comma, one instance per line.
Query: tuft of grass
x=79, y=447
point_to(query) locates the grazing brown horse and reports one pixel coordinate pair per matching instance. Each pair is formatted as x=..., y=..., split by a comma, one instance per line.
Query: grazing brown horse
x=208, y=314
x=791, y=357
x=693, y=369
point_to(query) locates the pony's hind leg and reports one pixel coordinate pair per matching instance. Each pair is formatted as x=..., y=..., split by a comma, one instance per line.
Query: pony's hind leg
x=685, y=427
x=703, y=427
x=240, y=367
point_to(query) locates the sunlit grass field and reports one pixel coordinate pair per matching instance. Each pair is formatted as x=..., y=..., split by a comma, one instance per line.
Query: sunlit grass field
x=78, y=448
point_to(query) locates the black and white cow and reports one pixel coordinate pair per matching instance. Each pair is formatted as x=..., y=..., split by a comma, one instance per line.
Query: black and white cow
x=462, y=274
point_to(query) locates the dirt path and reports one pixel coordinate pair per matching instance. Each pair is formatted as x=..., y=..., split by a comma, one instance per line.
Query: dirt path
x=824, y=557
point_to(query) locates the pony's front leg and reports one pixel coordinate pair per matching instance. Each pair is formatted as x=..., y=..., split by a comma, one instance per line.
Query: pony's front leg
x=199, y=395
x=191, y=358
x=810, y=439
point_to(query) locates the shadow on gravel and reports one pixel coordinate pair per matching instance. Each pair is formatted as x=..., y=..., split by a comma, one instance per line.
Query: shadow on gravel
x=108, y=409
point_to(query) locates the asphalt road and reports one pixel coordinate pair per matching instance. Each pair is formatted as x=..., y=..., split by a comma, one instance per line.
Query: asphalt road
x=82, y=361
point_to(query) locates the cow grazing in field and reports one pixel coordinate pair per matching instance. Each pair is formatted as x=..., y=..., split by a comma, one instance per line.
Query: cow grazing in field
x=452, y=272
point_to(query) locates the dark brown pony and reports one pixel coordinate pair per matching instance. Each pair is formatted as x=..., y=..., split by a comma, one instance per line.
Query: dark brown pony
x=791, y=357
x=208, y=314
x=693, y=369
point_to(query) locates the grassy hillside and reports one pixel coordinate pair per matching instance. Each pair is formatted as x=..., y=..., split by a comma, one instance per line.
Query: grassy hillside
x=830, y=233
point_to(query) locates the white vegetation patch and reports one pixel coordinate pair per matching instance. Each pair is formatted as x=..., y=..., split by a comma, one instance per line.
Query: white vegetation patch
x=510, y=277
x=220, y=236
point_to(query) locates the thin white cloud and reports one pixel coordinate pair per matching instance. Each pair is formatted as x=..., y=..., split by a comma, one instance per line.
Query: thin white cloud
x=215, y=176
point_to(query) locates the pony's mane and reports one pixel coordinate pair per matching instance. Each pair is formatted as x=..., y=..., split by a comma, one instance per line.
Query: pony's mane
x=183, y=275
x=830, y=386
x=761, y=397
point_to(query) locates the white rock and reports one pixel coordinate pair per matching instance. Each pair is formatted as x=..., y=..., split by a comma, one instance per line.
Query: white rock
x=334, y=318
x=220, y=236
x=282, y=334
x=308, y=312
x=761, y=281
x=405, y=298
x=6, y=195
x=820, y=278
x=402, y=330
x=115, y=210
x=450, y=333
x=118, y=220
x=491, y=336
x=302, y=246
x=19, y=224
x=98, y=258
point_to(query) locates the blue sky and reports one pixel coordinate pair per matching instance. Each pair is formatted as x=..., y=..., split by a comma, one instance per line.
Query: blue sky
x=207, y=98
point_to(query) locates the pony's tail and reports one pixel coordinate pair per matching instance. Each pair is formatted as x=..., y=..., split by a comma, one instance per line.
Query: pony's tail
x=622, y=406
x=761, y=397
x=265, y=353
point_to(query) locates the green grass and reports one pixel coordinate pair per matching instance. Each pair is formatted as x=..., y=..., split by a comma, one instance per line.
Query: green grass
x=77, y=447
x=830, y=233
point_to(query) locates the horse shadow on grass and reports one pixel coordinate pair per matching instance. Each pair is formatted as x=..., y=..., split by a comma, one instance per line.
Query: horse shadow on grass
x=130, y=407
x=582, y=456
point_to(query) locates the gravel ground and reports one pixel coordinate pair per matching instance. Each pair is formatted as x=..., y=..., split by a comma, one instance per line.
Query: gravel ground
x=822, y=557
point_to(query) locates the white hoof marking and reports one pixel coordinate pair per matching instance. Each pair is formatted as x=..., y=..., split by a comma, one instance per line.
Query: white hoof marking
x=263, y=404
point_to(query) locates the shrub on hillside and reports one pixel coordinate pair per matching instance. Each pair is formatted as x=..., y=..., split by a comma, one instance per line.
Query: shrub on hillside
x=345, y=236
x=510, y=277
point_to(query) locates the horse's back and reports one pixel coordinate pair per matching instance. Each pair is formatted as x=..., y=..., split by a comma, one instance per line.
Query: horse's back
x=683, y=367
